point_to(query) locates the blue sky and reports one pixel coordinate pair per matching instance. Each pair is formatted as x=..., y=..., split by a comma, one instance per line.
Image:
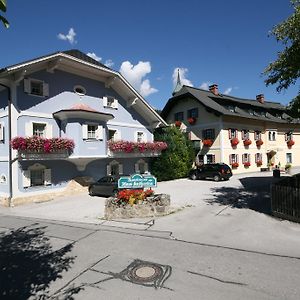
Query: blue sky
x=223, y=42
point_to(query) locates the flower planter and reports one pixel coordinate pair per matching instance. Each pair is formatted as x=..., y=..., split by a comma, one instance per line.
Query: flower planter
x=259, y=143
x=134, y=147
x=290, y=143
x=208, y=142
x=192, y=120
x=247, y=142
x=177, y=123
x=247, y=164
x=234, y=142
x=259, y=163
x=235, y=165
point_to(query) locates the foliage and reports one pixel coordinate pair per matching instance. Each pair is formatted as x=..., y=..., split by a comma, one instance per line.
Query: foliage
x=285, y=70
x=129, y=147
x=3, y=9
x=131, y=197
x=176, y=161
x=43, y=145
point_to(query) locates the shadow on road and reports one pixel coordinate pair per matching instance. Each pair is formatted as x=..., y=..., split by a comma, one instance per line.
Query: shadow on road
x=28, y=264
x=254, y=194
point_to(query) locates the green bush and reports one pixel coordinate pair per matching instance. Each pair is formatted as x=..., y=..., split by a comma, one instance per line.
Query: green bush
x=176, y=161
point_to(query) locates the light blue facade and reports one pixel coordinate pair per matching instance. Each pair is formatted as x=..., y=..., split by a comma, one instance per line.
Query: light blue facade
x=91, y=156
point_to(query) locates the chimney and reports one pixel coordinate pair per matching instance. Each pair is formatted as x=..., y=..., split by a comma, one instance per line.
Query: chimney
x=214, y=89
x=260, y=98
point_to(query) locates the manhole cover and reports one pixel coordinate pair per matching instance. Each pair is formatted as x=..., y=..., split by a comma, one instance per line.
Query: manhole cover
x=146, y=273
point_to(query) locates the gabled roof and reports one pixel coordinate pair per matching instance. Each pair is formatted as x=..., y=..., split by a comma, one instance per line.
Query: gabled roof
x=77, y=58
x=219, y=104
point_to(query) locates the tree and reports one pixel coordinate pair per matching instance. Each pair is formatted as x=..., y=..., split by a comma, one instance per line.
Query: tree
x=3, y=9
x=176, y=161
x=285, y=70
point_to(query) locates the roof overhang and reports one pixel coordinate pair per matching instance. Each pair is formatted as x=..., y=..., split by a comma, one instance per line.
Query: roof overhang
x=67, y=114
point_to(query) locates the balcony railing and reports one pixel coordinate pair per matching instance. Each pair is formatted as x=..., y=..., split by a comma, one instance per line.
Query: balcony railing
x=36, y=147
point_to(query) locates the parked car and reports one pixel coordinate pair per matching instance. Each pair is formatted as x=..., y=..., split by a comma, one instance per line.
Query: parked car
x=216, y=172
x=105, y=186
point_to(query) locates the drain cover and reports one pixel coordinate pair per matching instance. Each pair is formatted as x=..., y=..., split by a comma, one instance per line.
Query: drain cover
x=146, y=273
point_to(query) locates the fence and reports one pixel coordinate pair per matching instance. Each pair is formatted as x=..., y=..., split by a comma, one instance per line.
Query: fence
x=286, y=198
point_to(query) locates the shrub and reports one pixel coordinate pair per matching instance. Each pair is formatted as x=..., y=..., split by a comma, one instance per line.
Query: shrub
x=176, y=161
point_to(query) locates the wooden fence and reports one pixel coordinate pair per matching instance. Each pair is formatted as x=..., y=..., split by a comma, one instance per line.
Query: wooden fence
x=285, y=196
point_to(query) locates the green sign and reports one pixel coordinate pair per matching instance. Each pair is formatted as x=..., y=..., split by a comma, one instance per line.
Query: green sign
x=137, y=181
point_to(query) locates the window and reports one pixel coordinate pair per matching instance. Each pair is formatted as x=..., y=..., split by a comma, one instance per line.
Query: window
x=141, y=167
x=231, y=108
x=201, y=159
x=210, y=158
x=36, y=87
x=37, y=177
x=233, y=158
x=272, y=135
x=289, y=159
x=257, y=135
x=114, y=168
x=232, y=133
x=258, y=157
x=140, y=137
x=178, y=116
x=114, y=135
x=192, y=113
x=246, y=158
x=245, y=134
x=110, y=102
x=80, y=90
x=1, y=132
x=3, y=179
x=39, y=129
x=92, y=131
x=208, y=134
x=251, y=112
x=289, y=136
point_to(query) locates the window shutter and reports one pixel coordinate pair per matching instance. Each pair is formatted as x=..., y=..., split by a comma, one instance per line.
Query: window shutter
x=1, y=132
x=84, y=131
x=243, y=134
x=47, y=177
x=120, y=169
x=115, y=104
x=136, y=168
x=49, y=133
x=144, y=137
x=117, y=136
x=135, y=136
x=146, y=167
x=108, y=170
x=45, y=89
x=230, y=159
x=243, y=158
x=99, y=133
x=104, y=101
x=26, y=178
x=237, y=158
x=29, y=129
x=27, y=86
x=229, y=133
x=249, y=158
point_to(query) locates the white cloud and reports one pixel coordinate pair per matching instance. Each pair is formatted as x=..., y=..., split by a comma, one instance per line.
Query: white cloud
x=183, y=74
x=70, y=37
x=94, y=56
x=109, y=63
x=228, y=91
x=135, y=75
x=205, y=85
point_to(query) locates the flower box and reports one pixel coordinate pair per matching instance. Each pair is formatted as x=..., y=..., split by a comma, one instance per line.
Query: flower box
x=247, y=142
x=177, y=123
x=290, y=143
x=235, y=165
x=259, y=163
x=131, y=147
x=234, y=142
x=192, y=120
x=247, y=164
x=36, y=144
x=259, y=143
x=208, y=142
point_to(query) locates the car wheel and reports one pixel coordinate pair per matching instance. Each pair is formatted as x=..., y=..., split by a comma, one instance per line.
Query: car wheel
x=216, y=178
x=193, y=176
x=91, y=193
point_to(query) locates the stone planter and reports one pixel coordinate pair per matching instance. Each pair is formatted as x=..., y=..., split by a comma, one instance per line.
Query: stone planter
x=157, y=205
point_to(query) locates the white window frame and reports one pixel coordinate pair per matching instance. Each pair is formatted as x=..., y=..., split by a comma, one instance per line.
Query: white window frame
x=246, y=158
x=289, y=136
x=27, y=182
x=245, y=134
x=257, y=135
x=28, y=87
x=1, y=132
x=213, y=156
x=88, y=135
x=117, y=135
x=272, y=135
x=43, y=133
x=289, y=158
x=233, y=158
x=141, y=138
x=110, y=166
x=233, y=133
x=258, y=157
x=110, y=102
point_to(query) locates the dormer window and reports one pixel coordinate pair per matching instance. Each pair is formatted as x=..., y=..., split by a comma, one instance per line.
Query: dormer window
x=36, y=87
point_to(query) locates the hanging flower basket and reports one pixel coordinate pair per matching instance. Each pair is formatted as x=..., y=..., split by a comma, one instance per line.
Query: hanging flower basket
x=259, y=143
x=247, y=142
x=259, y=163
x=235, y=165
x=290, y=143
x=130, y=147
x=208, y=142
x=177, y=123
x=247, y=164
x=192, y=120
x=234, y=142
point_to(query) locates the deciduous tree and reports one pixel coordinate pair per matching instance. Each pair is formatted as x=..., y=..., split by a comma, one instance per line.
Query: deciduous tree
x=3, y=9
